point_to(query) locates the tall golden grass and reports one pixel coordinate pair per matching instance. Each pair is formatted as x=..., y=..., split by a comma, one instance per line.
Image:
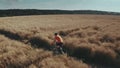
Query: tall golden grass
x=15, y=54
x=94, y=38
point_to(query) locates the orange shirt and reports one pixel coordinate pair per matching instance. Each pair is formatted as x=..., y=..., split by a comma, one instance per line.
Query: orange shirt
x=58, y=39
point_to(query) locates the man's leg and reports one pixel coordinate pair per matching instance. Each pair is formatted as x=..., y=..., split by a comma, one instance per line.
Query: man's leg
x=61, y=48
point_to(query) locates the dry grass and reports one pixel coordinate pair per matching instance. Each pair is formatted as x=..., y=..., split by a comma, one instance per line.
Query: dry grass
x=14, y=54
x=95, y=38
x=61, y=62
x=92, y=48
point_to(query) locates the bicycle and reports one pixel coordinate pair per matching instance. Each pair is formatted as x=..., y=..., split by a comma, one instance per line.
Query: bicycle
x=57, y=50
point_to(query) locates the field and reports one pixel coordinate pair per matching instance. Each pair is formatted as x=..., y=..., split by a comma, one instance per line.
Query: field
x=91, y=41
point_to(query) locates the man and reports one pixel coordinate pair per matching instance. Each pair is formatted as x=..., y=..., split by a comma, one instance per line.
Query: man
x=59, y=42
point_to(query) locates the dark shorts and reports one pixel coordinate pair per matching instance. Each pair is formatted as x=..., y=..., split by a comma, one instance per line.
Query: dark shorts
x=59, y=44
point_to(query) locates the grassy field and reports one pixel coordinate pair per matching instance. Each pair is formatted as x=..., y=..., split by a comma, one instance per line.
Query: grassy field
x=91, y=41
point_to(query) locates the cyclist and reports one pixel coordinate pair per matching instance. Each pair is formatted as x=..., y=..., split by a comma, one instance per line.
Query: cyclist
x=59, y=42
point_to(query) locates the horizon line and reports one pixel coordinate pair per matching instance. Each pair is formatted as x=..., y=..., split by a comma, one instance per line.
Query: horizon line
x=62, y=9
